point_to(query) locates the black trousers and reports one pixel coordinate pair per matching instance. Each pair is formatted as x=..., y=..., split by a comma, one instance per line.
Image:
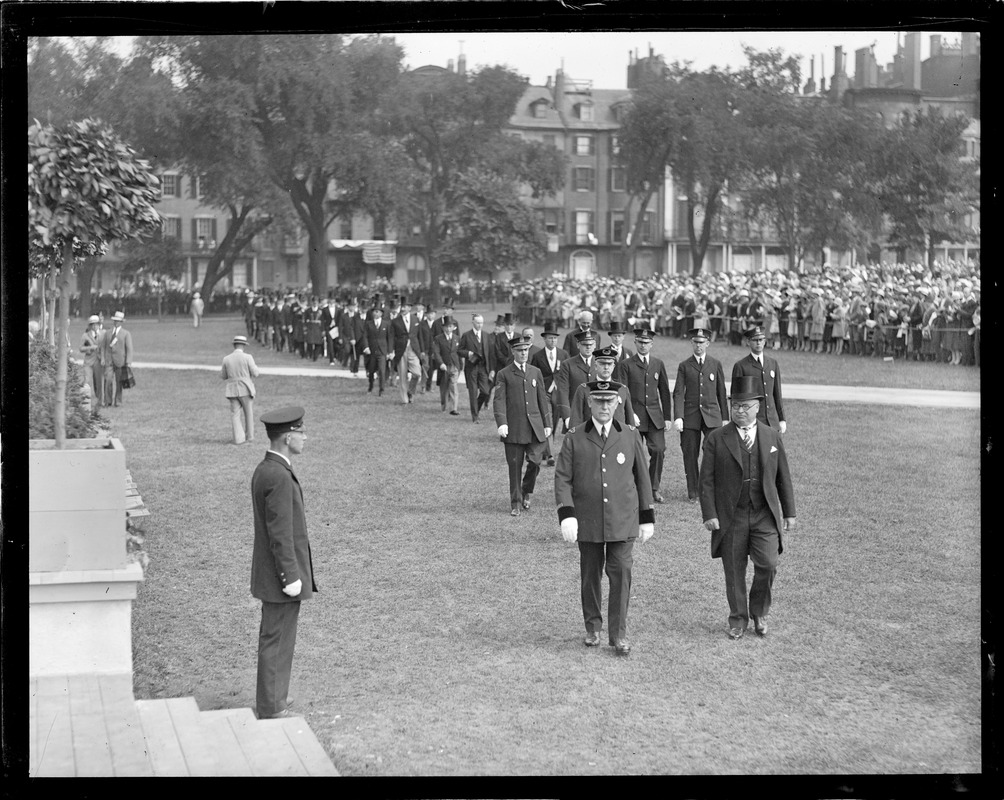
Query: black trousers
x=617, y=558
x=655, y=441
x=376, y=365
x=690, y=443
x=478, y=387
x=752, y=537
x=521, y=484
x=276, y=640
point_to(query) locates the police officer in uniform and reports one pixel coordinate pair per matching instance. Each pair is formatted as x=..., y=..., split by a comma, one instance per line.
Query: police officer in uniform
x=604, y=498
x=768, y=378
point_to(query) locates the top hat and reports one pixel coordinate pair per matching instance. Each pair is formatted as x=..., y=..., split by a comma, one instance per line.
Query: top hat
x=448, y=321
x=507, y=319
x=500, y=320
x=744, y=388
x=289, y=418
x=550, y=329
x=616, y=327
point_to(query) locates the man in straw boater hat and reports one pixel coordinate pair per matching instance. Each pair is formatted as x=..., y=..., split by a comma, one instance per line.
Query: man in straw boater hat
x=767, y=377
x=604, y=498
x=90, y=346
x=117, y=354
x=747, y=500
x=700, y=403
x=238, y=371
x=523, y=415
x=282, y=572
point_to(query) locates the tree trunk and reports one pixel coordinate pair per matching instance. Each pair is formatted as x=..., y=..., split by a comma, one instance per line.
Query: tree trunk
x=636, y=229
x=699, y=245
x=62, y=349
x=50, y=327
x=85, y=276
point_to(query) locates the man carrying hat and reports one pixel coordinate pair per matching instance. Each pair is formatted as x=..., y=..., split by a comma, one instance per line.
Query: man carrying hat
x=282, y=572
x=604, y=499
x=701, y=404
x=747, y=500
x=646, y=379
x=91, y=348
x=523, y=417
x=238, y=371
x=768, y=377
x=117, y=354
x=445, y=360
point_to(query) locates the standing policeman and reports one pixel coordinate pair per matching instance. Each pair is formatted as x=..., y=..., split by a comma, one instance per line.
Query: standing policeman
x=604, y=498
x=767, y=378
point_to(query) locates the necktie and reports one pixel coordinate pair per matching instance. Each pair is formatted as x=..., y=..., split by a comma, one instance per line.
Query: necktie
x=644, y=360
x=747, y=439
x=603, y=432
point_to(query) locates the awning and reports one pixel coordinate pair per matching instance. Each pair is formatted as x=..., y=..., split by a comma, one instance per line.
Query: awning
x=375, y=251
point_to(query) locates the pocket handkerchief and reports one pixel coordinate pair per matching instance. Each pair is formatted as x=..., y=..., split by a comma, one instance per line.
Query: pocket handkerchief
x=773, y=449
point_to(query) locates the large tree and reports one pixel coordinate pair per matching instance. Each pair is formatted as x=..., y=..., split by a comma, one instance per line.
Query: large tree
x=452, y=127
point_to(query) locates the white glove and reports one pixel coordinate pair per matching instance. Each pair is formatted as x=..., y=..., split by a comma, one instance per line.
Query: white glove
x=570, y=529
x=645, y=531
x=567, y=422
x=547, y=433
x=442, y=367
x=292, y=589
x=782, y=426
x=366, y=351
x=637, y=422
x=678, y=425
x=503, y=431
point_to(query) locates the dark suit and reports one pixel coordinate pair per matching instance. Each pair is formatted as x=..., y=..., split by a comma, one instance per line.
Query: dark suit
x=281, y=556
x=701, y=401
x=573, y=373
x=479, y=362
x=606, y=487
x=329, y=320
x=750, y=494
x=376, y=339
x=652, y=404
x=446, y=351
x=350, y=329
x=521, y=403
x=425, y=339
x=768, y=381
x=539, y=360
x=571, y=346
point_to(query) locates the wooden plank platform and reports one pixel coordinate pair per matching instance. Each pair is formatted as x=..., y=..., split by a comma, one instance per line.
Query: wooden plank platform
x=161, y=741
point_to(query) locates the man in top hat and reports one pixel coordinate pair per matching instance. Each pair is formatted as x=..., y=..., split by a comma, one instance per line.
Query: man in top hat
x=584, y=322
x=238, y=371
x=282, y=572
x=503, y=354
x=747, y=500
x=117, y=353
x=574, y=372
x=523, y=417
x=350, y=329
x=617, y=332
x=376, y=346
x=606, y=361
x=91, y=348
x=604, y=499
x=406, y=348
x=445, y=362
x=768, y=377
x=248, y=312
x=701, y=403
x=331, y=332
x=478, y=352
x=197, y=306
x=314, y=333
x=423, y=320
x=646, y=379
x=549, y=360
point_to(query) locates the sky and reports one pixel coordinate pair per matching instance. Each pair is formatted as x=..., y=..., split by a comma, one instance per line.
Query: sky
x=603, y=57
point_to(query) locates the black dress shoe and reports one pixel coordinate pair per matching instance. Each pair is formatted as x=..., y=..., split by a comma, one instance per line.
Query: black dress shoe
x=454, y=413
x=622, y=647
x=592, y=640
x=526, y=502
x=549, y=462
x=514, y=512
x=736, y=633
x=760, y=625
x=278, y=714
x=657, y=496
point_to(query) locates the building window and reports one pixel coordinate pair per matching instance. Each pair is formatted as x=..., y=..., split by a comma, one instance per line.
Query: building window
x=205, y=231
x=583, y=145
x=171, y=227
x=551, y=139
x=615, y=145
x=585, y=179
x=292, y=271
x=415, y=264
x=344, y=227
x=616, y=227
x=197, y=187
x=550, y=220
x=379, y=228
x=618, y=179
x=619, y=228
x=539, y=109
x=169, y=185
x=583, y=227
x=585, y=111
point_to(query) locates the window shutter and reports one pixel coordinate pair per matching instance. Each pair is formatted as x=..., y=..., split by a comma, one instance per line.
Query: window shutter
x=592, y=178
x=213, y=237
x=195, y=232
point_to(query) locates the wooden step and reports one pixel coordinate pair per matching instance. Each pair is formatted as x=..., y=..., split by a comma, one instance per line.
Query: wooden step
x=161, y=740
x=91, y=749
x=130, y=755
x=52, y=751
x=210, y=747
x=268, y=748
x=309, y=750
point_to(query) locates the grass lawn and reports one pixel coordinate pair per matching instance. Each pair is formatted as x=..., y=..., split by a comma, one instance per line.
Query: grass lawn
x=175, y=340
x=446, y=636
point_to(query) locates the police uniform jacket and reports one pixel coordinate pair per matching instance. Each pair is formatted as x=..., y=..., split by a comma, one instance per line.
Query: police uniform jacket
x=281, y=550
x=570, y=345
x=238, y=369
x=573, y=373
x=768, y=382
x=649, y=387
x=722, y=479
x=699, y=394
x=521, y=403
x=604, y=485
x=581, y=411
x=376, y=338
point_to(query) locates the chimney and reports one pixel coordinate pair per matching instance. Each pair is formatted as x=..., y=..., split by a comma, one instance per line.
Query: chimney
x=462, y=64
x=449, y=65
x=810, y=85
x=911, y=61
x=969, y=44
x=838, y=60
x=559, y=91
x=935, y=45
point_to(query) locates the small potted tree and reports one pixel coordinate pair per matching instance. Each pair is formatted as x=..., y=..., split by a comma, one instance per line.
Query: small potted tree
x=85, y=188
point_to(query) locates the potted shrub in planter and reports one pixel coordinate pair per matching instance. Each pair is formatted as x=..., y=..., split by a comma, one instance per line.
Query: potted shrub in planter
x=85, y=188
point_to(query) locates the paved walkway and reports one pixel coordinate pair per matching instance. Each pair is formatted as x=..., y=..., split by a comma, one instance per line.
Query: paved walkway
x=869, y=395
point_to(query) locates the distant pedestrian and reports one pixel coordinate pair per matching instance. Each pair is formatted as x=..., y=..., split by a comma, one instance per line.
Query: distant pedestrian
x=117, y=356
x=90, y=347
x=239, y=370
x=197, y=307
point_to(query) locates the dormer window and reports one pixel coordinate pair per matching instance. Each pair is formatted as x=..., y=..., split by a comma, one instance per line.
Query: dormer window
x=538, y=108
x=584, y=111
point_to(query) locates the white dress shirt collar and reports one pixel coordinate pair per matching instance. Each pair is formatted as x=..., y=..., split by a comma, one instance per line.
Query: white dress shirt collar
x=284, y=458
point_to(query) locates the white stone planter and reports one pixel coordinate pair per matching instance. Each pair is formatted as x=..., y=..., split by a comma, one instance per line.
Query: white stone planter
x=80, y=583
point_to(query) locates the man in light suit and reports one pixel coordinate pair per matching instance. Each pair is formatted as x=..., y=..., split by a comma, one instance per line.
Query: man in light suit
x=406, y=351
x=238, y=371
x=574, y=372
x=91, y=348
x=768, y=378
x=549, y=360
x=478, y=352
x=117, y=353
x=646, y=379
x=604, y=499
x=701, y=403
x=282, y=571
x=747, y=500
x=523, y=417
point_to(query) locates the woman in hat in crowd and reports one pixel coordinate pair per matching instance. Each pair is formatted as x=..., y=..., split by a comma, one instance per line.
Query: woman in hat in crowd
x=838, y=323
x=815, y=319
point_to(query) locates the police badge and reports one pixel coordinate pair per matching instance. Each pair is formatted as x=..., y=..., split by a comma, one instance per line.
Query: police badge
x=620, y=458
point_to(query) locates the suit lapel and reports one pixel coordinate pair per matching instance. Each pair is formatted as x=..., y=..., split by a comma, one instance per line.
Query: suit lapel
x=734, y=444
